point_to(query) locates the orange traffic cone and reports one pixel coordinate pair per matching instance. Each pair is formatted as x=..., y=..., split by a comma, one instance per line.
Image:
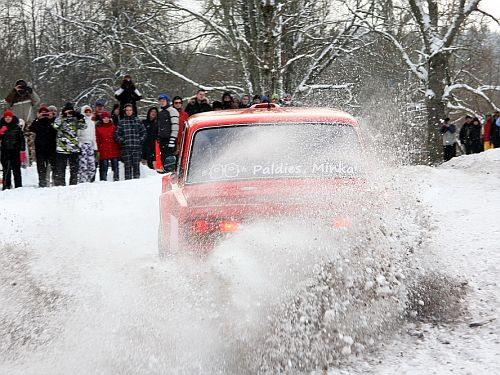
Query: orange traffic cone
x=158, y=163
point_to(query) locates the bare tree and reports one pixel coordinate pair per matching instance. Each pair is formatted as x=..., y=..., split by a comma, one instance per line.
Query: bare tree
x=425, y=33
x=278, y=45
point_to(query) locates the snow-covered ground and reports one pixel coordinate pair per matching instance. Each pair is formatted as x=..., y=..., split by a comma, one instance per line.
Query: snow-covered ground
x=83, y=292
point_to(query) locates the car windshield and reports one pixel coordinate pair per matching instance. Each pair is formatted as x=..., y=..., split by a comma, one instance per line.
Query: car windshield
x=267, y=151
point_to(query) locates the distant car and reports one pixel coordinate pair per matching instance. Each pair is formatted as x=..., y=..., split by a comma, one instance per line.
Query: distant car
x=238, y=166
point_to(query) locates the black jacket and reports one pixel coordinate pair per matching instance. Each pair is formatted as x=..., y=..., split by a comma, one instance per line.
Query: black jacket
x=495, y=134
x=194, y=107
x=46, y=135
x=128, y=95
x=149, y=146
x=470, y=134
x=13, y=138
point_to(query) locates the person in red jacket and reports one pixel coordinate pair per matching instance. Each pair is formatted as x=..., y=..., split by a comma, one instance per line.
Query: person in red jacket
x=108, y=148
x=487, y=129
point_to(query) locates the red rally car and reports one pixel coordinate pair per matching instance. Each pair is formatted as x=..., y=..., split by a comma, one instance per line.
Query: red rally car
x=264, y=162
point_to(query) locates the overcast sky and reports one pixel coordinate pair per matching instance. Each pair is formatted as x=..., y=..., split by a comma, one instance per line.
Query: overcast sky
x=492, y=7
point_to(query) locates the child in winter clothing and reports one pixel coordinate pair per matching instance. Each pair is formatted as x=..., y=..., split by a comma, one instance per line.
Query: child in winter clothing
x=68, y=147
x=13, y=143
x=109, y=149
x=88, y=147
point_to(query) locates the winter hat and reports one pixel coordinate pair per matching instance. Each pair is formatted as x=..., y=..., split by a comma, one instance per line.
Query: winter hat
x=43, y=109
x=8, y=114
x=105, y=114
x=164, y=97
x=275, y=97
x=52, y=108
x=86, y=108
x=265, y=99
x=100, y=103
x=68, y=106
x=21, y=82
x=217, y=105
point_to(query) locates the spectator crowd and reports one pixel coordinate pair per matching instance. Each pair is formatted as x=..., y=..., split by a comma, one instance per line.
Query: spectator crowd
x=473, y=137
x=94, y=139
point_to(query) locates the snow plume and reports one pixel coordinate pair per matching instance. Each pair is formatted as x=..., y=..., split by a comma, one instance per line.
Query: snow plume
x=353, y=300
x=393, y=121
x=291, y=294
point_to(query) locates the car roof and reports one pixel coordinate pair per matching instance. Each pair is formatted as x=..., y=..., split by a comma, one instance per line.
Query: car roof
x=264, y=114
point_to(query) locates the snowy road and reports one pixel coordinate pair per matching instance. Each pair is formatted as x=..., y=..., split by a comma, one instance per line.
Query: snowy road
x=82, y=291
x=464, y=196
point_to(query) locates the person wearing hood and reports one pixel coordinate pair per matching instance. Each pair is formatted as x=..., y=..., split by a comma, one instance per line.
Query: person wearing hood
x=88, y=147
x=13, y=143
x=128, y=94
x=149, y=147
x=67, y=144
x=45, y=144
x=198, y=104
x=275, y=99
x=130, y=134
x=168, y=129
x=109, y=149
x=227, y=100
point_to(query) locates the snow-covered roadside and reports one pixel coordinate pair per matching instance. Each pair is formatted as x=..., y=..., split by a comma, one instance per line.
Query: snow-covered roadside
x=117, y=309
x=464, y=198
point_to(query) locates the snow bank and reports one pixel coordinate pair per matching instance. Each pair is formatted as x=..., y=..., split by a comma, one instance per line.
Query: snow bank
x=487, y=162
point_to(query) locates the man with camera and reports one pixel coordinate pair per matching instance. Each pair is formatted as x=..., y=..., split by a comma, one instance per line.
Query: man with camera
x=45, y=144
x=22, y=101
